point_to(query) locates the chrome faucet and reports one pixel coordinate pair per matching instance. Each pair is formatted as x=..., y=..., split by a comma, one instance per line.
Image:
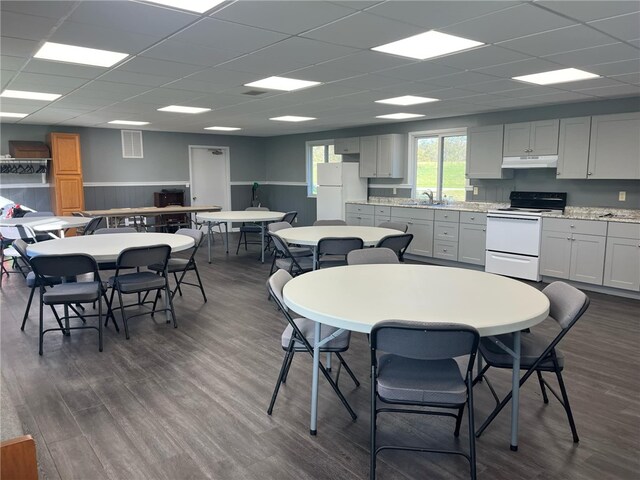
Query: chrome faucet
x=429, y=193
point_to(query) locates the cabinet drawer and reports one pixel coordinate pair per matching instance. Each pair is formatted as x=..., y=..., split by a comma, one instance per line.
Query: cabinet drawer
x=473, y=217
x=355, y=208
x=589, y=227
x=624, y=230
x=446, y=250
x=445, y=231
x=412, y=213
x=447, y=215
x=382, y=211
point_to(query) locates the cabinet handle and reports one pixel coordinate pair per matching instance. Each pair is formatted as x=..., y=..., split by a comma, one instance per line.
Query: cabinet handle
x=557, y=173
x=573, y=239
x=568, y=238
x=472, y=218
x=444, y=249
x=589, y=173
x=444, y=233
x=484, y=229
x=409, y=223
x=572, y=226
x=446, y=216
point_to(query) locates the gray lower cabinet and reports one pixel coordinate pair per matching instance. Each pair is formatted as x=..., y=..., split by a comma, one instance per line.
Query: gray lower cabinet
x=471, y=244
x=359, y=220
x=422, y=231
x=622, y=264
x=555, y=254
x=587, y=258
x=614, y=146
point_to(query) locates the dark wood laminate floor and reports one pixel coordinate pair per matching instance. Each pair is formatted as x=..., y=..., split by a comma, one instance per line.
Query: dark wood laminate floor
x=190, y=403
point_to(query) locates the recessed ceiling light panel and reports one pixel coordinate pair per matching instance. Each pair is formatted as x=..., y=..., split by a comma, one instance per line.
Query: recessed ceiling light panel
x=128, y=122
x=428, y=45
x=13, y=115
x=292, y=118
x=198, y=6
x=183, y=109
x=400, y=116
x=557, y=76
x=224, y=129
x=47, y=97
x=59, y=52
x=282, y=83
x=407, y=100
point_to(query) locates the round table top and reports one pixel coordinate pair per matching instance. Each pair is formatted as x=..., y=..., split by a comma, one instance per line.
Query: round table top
x=107, y=247
x=356, y=297
x=311, y=235
x=241, y=216
x=47, y=224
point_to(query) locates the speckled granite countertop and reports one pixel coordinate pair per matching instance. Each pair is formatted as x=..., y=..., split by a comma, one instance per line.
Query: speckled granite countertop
x=579, y=213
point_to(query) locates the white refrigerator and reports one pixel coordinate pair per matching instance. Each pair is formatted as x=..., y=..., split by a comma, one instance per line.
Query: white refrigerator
x=338, y=183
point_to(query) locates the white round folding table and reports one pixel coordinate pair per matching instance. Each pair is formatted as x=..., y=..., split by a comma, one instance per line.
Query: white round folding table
x=358, y=296
x=47, y=224
x=256, y=216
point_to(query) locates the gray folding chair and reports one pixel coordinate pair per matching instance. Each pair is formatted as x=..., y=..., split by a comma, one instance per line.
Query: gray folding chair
x=69, y=293
x=413, y=364
x=294, y=251
x=397, y=243
x=96, y=223
x=8, y=234
x=332, y=251
x=537, y=354
x=141, y=281
x=368, y=256
x=329, y=223
x=298, y=337
x=285, y=260
x=250, y=228
x=181, y=266
x=403, y=227
x=289, y=217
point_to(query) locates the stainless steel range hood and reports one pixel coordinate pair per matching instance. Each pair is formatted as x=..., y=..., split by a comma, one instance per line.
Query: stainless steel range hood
x=531, y=161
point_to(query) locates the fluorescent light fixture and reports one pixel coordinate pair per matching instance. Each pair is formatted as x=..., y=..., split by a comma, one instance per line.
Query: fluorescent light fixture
x=428, y=45
x=181, y=109
x=13, y=115
x=292, y=118
x=48, y=97
x=557, y=76
x=407, y=100
x=224, y=129
x=128, y=122
x=282, y=83
x=198, y=6
x=59, y=52
x=400, y=116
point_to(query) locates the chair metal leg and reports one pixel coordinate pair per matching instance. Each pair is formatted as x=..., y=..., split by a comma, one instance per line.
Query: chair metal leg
x=66, y=319
x=372, y=468
x=290, y=361
x=173, y=312
x=542, y=388
x=456, y=432
x=195, y=269
x=239, y=242
x=26, y=311
x=100, y=340
x=281, y=375
x=567, y=407
x=178, y=289
x=124, y=316
x=41, y=326
x=348, y=370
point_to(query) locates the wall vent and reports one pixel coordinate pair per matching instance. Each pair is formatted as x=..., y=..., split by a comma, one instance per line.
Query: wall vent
x=132, y=144
x=254, y=93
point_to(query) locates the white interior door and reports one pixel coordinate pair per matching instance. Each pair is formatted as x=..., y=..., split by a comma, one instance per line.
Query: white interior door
x=209, y=176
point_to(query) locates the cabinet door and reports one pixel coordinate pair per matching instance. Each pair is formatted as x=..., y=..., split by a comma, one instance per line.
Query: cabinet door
x=445, y=250
x=422, y=243
x=587, y=258
x=347, y=145
x=65, y=151
x=472, y=243
x=622, y=264
x=543, y=139
x=573, y=147
x=389, y=163
x=368, y=156
x=69, y=193
x=614, y=147
x=484, y=152
x=516, y=139
x=555, y=254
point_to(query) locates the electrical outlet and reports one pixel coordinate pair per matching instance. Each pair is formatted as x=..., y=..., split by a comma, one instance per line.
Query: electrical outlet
x=622, y=196
x=475, y=190
x=395, y=191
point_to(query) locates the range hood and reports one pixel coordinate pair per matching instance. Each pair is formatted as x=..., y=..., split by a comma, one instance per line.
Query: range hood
x=531, y=161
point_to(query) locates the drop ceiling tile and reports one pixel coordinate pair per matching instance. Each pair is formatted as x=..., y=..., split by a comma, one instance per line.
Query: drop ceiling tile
x=169, y=96
x=131, y=108
x=132, y=17
x=6, y=76
x=152, y=66
x=419, y=71
x=219, y=100
x=615, y=91
x=11, y=63
x=325, y=72
x=63, y=69
x=367, y=62
x=219, y=78
x=265, y=65
x=461, y=79
x=481, y=58
x=295, y=18
x=78, y=100
x=436, y=14
x=592, y=56
x=561, y=97
x=318, y=93
x=633, y=78
x=307, y=50
x=494, y=86
x=507, y=24
x=450, y=94
x=370, y=81
x=45, y=83
x=363, y=30
x=240, y=91
x=20, y=105
x=188, y=53
x=196, y=86
x=586, y=11
x=586, y=84
x=529, y=90
x=558, y=41
x=624, y=27
x=615, y=68
x=109, y=91
x=17, y=47
x=90, y=36
x=47, y=9
x=216, y=34
x=123, y=76
x=522, y=67
x=28, y=27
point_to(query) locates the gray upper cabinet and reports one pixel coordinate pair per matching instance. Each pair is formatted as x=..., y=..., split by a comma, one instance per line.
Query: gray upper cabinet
x=531, y=138
x=614, y=151
x=381, y=156
x=573, y=147
x=484, y=152
x=346, y=146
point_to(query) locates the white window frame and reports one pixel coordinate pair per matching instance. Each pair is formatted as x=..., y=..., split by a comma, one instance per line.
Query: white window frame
x=309, y=149
x=413, y=159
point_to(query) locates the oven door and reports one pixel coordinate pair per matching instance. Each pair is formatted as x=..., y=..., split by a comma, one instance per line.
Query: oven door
x=514, y=234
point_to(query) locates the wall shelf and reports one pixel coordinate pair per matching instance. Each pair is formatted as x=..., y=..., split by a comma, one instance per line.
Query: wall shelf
x=25, y=166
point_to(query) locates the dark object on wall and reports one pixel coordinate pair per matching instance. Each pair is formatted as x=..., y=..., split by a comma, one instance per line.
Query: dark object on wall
x=170, y=223
x=23, y=149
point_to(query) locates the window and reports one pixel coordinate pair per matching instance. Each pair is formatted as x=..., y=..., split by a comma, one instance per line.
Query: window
x=320, y=151
x=440, y=160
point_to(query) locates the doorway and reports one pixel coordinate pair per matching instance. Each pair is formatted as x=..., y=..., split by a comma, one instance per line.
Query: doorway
x=209, y=176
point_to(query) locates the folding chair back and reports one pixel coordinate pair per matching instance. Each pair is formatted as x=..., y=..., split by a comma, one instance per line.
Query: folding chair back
x=339, y=245
x=13, y=232
x=290, y=217
x=70, y=265
x=197, y=235
x=397, y=243
x=567, y=303
x=403, y=227
x=275, y=226
x=143, y=256
x=368, y=256
x=95, y=224
x=105, y=231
